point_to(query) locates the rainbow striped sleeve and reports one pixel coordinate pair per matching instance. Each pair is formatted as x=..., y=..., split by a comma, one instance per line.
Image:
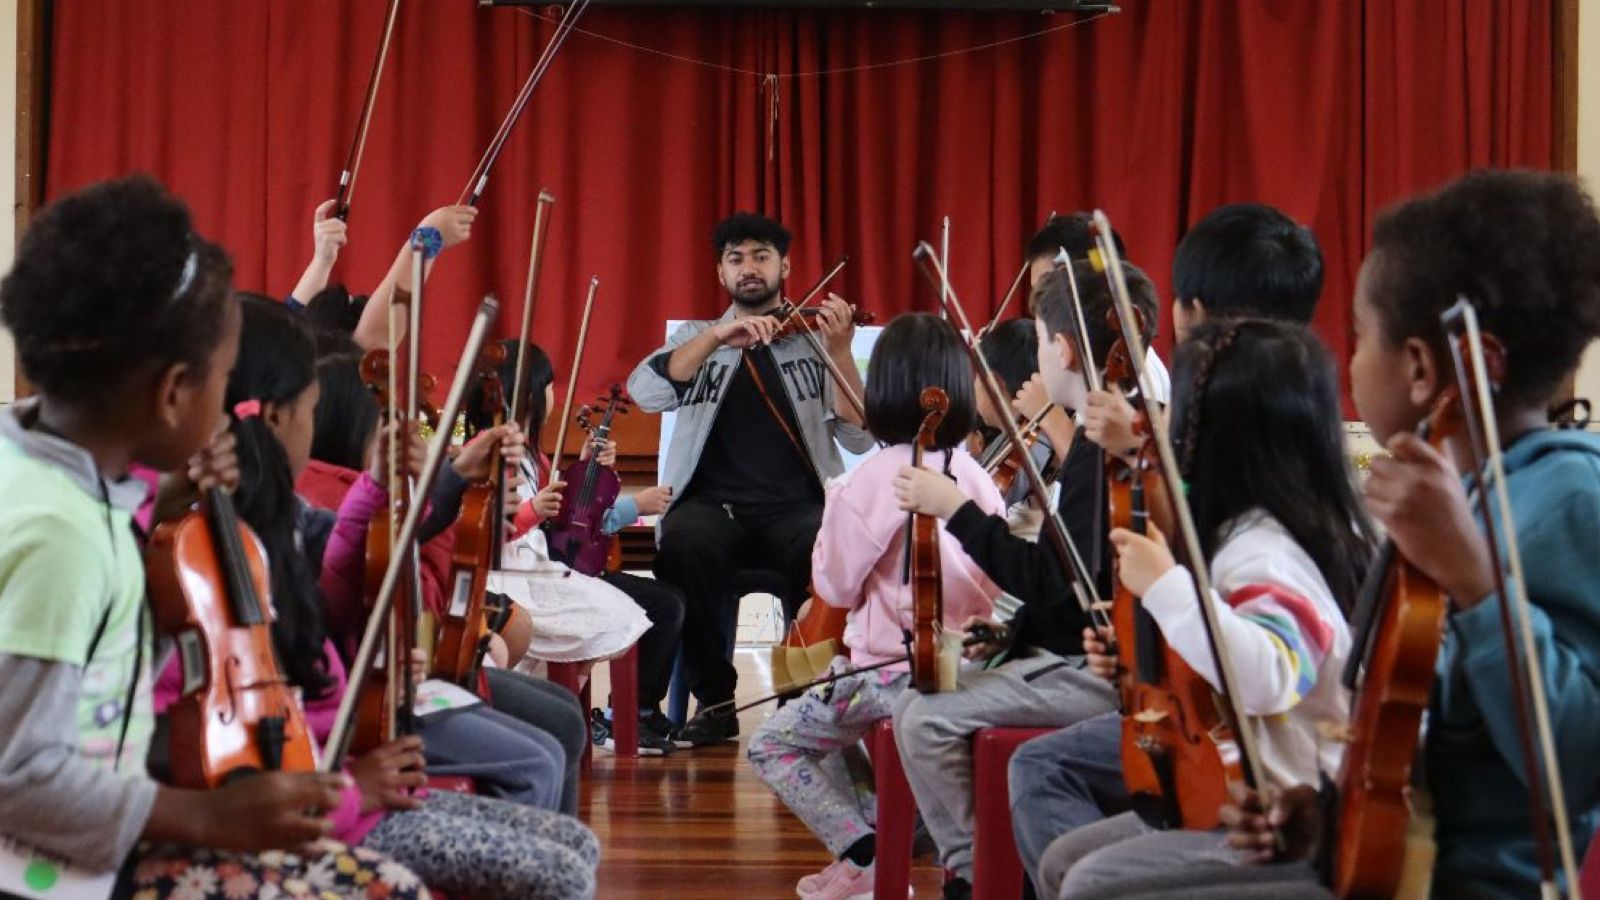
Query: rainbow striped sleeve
x=1292, y=622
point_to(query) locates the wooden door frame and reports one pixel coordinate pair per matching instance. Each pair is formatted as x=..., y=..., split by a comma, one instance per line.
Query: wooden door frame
x=32, y=108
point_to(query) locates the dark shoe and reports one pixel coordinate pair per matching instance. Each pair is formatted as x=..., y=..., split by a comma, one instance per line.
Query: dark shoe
x=651, y=743
x=658, y=724
x=957, y=889
x=709, y=729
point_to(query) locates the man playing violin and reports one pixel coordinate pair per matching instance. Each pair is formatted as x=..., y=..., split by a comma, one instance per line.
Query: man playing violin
x=758, y=432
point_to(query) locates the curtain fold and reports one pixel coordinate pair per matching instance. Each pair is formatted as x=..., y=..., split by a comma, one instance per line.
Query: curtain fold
x=1329, y=110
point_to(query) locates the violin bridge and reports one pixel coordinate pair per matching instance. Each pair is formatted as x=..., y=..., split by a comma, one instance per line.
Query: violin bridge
x=1150, y=716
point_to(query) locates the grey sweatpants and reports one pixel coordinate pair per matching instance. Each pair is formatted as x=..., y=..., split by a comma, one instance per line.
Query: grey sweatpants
x=1120, y=859
x=934, y=734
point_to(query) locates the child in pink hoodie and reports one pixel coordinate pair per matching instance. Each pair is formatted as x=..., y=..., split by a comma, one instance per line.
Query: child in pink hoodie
x=858, y=564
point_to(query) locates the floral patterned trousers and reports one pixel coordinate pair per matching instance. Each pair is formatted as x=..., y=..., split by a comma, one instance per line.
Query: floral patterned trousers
x=335, y=871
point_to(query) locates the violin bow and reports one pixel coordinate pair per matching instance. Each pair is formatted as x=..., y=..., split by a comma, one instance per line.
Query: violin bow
x=572, y=380
x=806, y=331
x=535, y=257
x=1188, y=535
x=1011, y=292
x=480, y=174
x=1072, y=564
x=339, y=736
x=980, y=634
x=1474, y=379
x=944, y=264
x=358, y=146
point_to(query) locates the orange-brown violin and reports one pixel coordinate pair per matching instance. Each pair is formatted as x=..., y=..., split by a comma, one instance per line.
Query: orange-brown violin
x=209, y=589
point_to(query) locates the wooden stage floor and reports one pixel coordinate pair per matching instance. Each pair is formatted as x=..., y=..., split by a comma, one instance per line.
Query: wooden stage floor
x=699, y=825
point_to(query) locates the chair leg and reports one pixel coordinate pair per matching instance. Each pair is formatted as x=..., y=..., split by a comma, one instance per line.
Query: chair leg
x=896, y=814
x=625, y=702
x=585, y=698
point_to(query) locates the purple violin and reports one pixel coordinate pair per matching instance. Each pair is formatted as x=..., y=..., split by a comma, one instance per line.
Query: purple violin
x=574, y=534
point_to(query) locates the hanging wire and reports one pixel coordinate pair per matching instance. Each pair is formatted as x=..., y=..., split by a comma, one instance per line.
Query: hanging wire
x=816, y=73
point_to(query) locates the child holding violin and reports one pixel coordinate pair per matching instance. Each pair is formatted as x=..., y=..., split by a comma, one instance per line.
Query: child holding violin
x=1012, y=349
x=858, y=564
x=476, y=845
x=1524, y=248
x=580, y=617
x=347, y=435
x=1034, y=675
x=1242, y=260
x=124, y=328
x=1287, y=545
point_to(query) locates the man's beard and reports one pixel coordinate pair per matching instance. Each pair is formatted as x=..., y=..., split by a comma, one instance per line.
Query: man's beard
x=751, y=299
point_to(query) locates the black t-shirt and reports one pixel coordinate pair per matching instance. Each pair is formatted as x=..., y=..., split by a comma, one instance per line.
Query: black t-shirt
x=748, y=460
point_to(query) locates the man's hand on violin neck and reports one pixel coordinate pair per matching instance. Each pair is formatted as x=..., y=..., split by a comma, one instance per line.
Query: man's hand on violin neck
x=835, y=322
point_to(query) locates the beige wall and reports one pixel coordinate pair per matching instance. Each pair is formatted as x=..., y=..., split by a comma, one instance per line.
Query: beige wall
x=1589, y=149
x=8, y=173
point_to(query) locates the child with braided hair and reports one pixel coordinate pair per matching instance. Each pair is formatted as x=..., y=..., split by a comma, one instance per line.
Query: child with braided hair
x=1257, y=429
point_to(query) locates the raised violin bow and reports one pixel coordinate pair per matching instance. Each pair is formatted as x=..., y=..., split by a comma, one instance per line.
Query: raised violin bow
x=438, y=445
x=1072, y=564
x=1476, y=377
x=1188, y=535
x=480, y=174
x=535, y=257
x=1011, y=292
x=358, y=146
x=572, y=380
x=944, y=263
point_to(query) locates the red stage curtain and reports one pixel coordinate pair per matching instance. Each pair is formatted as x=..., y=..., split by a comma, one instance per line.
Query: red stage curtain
x=1327, y=109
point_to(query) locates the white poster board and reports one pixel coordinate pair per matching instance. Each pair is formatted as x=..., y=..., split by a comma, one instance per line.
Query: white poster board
x=866, y=336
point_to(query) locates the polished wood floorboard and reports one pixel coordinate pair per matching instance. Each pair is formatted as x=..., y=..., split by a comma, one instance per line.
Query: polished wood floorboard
x=700, y=825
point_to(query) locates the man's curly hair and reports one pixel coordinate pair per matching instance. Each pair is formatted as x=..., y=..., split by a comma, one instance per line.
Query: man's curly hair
x=110, y=282
x=1523, y=247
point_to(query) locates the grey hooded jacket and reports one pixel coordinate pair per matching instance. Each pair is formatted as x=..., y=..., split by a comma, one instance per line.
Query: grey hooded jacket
x=697, y=401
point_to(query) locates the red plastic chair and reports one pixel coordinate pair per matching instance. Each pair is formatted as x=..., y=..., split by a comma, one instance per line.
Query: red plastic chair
x=897, y=813
x=1589, y=872
x=996, y=868
x=624, y=700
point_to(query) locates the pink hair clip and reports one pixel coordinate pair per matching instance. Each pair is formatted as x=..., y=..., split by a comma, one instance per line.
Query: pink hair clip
x=245, y=409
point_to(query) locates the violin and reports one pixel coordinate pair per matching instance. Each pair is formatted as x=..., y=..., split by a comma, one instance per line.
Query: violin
x=1398, y=627
x=931, y=668
x=1002, y=458
x=1170, y=723
x=463, y=637
x=792, y=321
x=209, y=589
x=574, y=534
x=1175, y=746
x=376, y=368
x=373, y=640
x=386, y=695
